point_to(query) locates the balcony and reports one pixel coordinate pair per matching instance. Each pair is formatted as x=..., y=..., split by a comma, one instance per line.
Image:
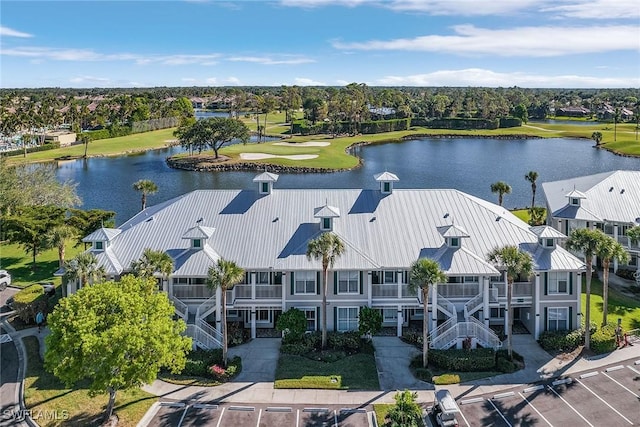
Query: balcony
x=262, y=292
x=388, y=291
x=459, y=290
x=522, y=293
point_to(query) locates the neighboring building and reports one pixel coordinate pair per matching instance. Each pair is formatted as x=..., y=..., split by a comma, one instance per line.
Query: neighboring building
x=65, y=138
x=385, y=230
x=609, y=201
x=198, y=102
x=573, y=111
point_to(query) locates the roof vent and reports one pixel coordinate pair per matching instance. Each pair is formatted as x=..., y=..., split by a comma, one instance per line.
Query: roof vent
x=610, y=189
x=622, y=191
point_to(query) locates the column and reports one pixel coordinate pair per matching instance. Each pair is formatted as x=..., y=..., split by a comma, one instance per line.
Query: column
x=615, y=236
x=218, y=309
x=578, y=299
x=486, y=311
x=434, y=308
x=399, y=284
x=253, y=285
x=399, y=321
x=506, y=312
x=253, y=323
x=284, y=291
x=367, y=277
x=536, y=304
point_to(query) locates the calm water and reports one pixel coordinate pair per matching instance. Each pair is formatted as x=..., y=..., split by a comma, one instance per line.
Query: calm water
x=470, y=165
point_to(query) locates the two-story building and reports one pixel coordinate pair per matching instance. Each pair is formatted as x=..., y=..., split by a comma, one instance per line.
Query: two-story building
x=609, y=201
x=266, y=231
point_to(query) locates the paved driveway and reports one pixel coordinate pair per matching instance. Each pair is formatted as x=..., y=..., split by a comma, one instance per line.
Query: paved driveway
x=392, y=359
x=259, y=360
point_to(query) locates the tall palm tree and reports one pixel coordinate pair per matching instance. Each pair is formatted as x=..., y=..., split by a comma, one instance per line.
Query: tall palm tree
x=586, y=241
x=501, y=188
x=532, y=177
x=145, y=186
x=83, y=269
x=225, y=275
x=425, y=273
x=515, y=262
x=58, y=237
x=609, y=249
x=152, y=262
x=616, y=119
x=327, y=248
x=633, y=234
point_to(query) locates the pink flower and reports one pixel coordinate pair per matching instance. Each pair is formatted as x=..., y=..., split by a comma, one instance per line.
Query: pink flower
x=217, y=370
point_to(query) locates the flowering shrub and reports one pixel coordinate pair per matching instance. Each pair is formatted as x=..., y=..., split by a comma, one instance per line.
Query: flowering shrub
x=218, y=371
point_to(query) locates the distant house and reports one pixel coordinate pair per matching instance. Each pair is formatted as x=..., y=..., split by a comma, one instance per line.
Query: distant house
x=65, y=138
x=573, y=111
x=197, y=102
x=381, y=112
x=607, y=112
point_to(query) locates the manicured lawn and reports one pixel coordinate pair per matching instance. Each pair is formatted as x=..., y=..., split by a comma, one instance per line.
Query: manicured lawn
x=381, y=410
x=43, y=392
x=620, y=306
x=14, y=259
x=356, y=372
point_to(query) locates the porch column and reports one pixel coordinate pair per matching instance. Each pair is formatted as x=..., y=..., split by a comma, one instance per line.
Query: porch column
x=615, y=236
x=170, y=286
x=399, y=285
x=367, y=277
x=578, y=299
x=536, y=304
x=399, y=321
x=486, y=312
x=253, y=323
x=218, y=309
x=253, y=285
x=506, y=312
x=434, y=307
x=284, y=291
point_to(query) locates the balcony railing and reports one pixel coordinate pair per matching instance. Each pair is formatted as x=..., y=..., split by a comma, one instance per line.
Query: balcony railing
x=458, y=290
x=391, y=291
x=262, y=291
x=520, y=289
x=192, y=292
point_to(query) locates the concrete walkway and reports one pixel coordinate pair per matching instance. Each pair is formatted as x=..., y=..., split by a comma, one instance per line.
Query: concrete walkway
x=393, y=357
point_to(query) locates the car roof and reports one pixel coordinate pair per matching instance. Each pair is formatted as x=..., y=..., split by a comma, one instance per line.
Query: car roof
x=447, y=402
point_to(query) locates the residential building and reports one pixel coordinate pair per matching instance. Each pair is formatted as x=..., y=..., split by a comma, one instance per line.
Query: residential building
x=609, y=201
x=573, y=111
x=266, y=231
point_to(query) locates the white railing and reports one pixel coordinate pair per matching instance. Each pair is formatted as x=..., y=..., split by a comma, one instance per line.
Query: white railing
x=201, y=338
x=485, y=334
x=520, y=289
x=384, y=291
x=181, y=308
x=493, y=294
x=473, y=328
x=459, y=290
x=473, y=305
x=206, y=308
x=446, y=306
x=210, y=330
x=242, y=291
x=268, y=291
x=440, y=329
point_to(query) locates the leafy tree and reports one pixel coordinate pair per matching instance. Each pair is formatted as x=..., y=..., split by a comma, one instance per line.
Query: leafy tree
x=516, y=263
x=370, y=321
x=224, y=275
x=406, y=412
x=58, y=237
x=29, y=225
x=586, y=241
x=214, y=132
x=616, y=119
x=153, y=262
x=115, y=335
x=532, y=177
x=424, y=274
x=327, y=248
x=145, y=186
x=501, y=188
x=86, y=222
x=520, y=111
x=84, y=138
x=597, y=137
x=609, y=250
x=83, y=269
x=267, y=104
x=293, y=324
x=537, y=215
x=633, y=234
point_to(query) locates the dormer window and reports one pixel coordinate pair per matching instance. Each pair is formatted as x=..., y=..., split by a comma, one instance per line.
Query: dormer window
x=454, y=242
x=264, y=188
x=386, y=187
x=197, y=243
x=326, y=224
x=326, y=214
x=265, y=182
x=99, y=246
x=546, y=242
x=575, y=201
x=386, y=180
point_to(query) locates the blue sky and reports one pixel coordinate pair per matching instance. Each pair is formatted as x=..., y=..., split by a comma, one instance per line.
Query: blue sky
x=526, y=43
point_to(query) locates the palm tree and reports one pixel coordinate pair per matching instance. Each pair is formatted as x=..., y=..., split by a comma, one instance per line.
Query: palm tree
x=609, y=249
x=224, y=275
x=586, y=241
x=58, y=237
x=633, y=234
x=327, y=248
x=425, y=273
x=597, y=137
x=145, y=186
x=83, y=269
x=501, y=188
x=616, y=119
x=532, y=177
x=152, y=262
x=515, y=262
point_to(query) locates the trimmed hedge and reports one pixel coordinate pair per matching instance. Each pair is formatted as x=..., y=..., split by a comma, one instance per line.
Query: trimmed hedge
x=446, y=379
x=480, y=359
x=510, y=122
x=604, y=339
x=46, y=147
x=561, y=340
x=28, y=302
x=303, y=127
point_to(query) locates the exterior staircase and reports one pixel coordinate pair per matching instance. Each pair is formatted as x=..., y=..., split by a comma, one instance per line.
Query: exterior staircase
x=203, y=334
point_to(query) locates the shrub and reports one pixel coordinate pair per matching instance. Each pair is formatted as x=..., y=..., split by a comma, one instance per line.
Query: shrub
x=370, y=322
x=445, y=379
x=505, y=365
x=423, y=374
x=293, y=323
x=349, y=342
x=561, y=340
x=626, y=274
x=604, y=339
x=413, y=336
x=28, y=302
x=297, y=349
x=208, y=364
x=505, y=355
x=44, y=147
x=406, y=412
x=236, y=334
x=480, y=359
x=510, y=122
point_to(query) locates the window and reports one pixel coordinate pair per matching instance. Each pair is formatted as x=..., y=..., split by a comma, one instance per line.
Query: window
x=558, y=283
x=265, y=187
x=197, y=243
x=305, y=282
x=277, y=278
x=347, y=319
x=98, y=245
x=471, y=279
x=262, y=278
x=326, y=223
x=390, y=277
x=348, y=282
x=386, y=187
x=558, y=318
x=263, y=316
x=549, y=243
x=455, y=242
x=496, y=313
x=389, y=314
x=310, y=314
x=575, y=201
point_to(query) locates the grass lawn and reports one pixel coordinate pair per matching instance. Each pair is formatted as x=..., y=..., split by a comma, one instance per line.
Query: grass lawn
x=14, y=259
x=620, y=306
x=381, y=410
x=43, y=392
x=356, y=372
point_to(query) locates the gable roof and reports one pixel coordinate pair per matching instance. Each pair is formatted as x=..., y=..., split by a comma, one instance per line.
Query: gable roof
x=386, y=176
x=102, y=235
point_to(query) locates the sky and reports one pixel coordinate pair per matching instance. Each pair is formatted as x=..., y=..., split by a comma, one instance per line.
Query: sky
x=493, y=43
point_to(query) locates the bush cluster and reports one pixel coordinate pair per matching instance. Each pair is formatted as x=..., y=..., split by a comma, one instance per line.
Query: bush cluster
x=561, y=341
x=28, y=302
x=340, y=345
x=44, y=147
x=446, y=379
x=203, y=363
x=413, y=336
x=626, y=274
x=481, y=359
x=303, y=127
x=604, y=339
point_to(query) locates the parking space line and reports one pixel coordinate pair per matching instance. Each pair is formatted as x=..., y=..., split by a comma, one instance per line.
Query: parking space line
x=569, y=405
x=298, y=418
x=465, y=420
x=614, y=368
x=603, y=401
x=259, y=416
x=184, y=414
x=621, y=385
x=534, y=408
x=221, y=415
x=335, y=418
x=634, y=370
x=498, y=411
x=589, y=374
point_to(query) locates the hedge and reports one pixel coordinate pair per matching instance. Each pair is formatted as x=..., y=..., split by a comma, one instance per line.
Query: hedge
x=480, y=359
x=604, y=339
x=561, y=340
x=303, y=127
x=28, y=302
x=510, y=122
x=19, y=152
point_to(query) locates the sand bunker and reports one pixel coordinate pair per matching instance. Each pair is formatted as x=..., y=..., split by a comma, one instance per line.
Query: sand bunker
x=261, y=156
x=304, y=144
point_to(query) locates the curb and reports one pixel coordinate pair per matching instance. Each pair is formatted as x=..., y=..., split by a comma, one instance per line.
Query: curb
x=148, y=416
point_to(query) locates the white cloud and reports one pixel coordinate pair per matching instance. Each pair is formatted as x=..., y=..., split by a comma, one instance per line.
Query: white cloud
x=462, y=7
x=90, y=80
x=342, y=82
x=211, y=81
x=188, y=80
x=271, y=61
x=10, y=32
x=303, y=81
x=233, y=81
x=522, y=41
x=598, y=9
x=320, y=3
x=488, y=78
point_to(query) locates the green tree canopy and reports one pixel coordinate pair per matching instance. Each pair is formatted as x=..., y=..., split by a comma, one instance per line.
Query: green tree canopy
x=83, y=269
x=609, y=250
x=152, y=262
x=213, y=132
x=146, y=187
x=86, y=222
x=115, y=335
x=501, y=188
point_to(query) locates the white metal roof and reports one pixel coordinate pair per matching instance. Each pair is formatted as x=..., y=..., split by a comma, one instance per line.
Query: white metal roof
x=386, y=176
x=266, y=177
x=102, y=235
x=546, y=232
x=199, y=232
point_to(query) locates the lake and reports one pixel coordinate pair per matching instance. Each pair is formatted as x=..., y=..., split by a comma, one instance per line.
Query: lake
x=470, y=165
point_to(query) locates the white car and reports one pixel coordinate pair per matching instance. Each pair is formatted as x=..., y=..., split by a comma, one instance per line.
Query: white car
x=5, y=279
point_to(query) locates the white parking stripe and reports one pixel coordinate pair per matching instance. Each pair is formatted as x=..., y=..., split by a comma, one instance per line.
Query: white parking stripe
x=634, y=369
x=621, y=385
x=335, y=418
x=298, y=418
x=465, y=420
x=603, y=401
x=569, y=405
x=498, y=411
x=184, y=414
x=259, y=416
x=534, y=408
x=221, y=414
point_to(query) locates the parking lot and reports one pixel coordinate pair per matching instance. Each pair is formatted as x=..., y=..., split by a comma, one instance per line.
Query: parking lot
x=609, y=396
x=180, y=414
